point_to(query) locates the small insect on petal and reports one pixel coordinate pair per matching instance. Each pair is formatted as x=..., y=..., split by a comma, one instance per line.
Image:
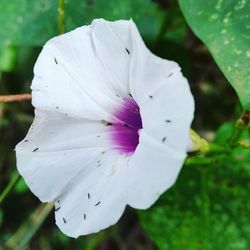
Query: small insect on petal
x=128, y=51
x=64, y=220
x=84, y=216
x=88, y=195
x=55, y=60
x=35, y=149
x=56, y=209
x=98, y=203
x=150, y=96
x=167, y=121
x=164, y=139
x=106, y=123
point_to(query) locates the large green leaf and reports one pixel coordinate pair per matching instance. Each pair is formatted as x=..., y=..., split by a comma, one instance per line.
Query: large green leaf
x=207, y=209
x=224, y=26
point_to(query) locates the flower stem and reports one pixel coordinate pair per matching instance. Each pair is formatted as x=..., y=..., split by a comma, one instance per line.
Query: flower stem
x=203, y=160
x=61, y=16
x=243, y=122
x=15, y=98
x=9, y=187
x=198, y=143
x=196, y=160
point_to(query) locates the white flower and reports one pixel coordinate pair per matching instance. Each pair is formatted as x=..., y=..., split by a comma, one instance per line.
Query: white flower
x=111, y=126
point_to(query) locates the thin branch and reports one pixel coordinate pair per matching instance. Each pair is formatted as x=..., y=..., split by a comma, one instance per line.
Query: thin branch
x=61, y=16
x=23, y=235
x=10, y=186
x=15, y=98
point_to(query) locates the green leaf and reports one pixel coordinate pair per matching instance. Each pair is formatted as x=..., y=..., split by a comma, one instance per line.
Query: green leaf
x=207, y=209
x=28, y=22
x=224, y=26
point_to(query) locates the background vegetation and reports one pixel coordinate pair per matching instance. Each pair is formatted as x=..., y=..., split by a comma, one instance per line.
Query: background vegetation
x=209, y=207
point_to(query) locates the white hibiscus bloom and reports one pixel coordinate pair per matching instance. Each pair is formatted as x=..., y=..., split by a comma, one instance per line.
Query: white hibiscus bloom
x=111, y=126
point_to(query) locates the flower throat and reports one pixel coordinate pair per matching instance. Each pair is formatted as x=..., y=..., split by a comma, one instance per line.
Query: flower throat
x=125, y=129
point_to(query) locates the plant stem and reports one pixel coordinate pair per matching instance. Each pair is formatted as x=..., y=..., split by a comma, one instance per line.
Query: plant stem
x=203, y=160
x=241, y=123
x=249, y=134
x=9, y=187
x=15, y=98
x=61, y=16
x=27, y=230
x=235, y=136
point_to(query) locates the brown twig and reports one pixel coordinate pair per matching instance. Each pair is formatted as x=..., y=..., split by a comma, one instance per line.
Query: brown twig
x=15, y=98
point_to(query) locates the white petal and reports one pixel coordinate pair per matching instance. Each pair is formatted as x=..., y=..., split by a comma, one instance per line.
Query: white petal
x=163, y=94
x=56, y=149
x=95, y=203
x=166, y=108
x=167, y=116
x=113, y=47
x=151, y=171
x=69, y=78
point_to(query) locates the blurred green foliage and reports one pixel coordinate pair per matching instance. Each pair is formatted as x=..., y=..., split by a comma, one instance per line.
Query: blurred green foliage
x=39, y=23
x=209, y=206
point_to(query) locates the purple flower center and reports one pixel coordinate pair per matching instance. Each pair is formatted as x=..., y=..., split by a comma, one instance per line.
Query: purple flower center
x=124, y=130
